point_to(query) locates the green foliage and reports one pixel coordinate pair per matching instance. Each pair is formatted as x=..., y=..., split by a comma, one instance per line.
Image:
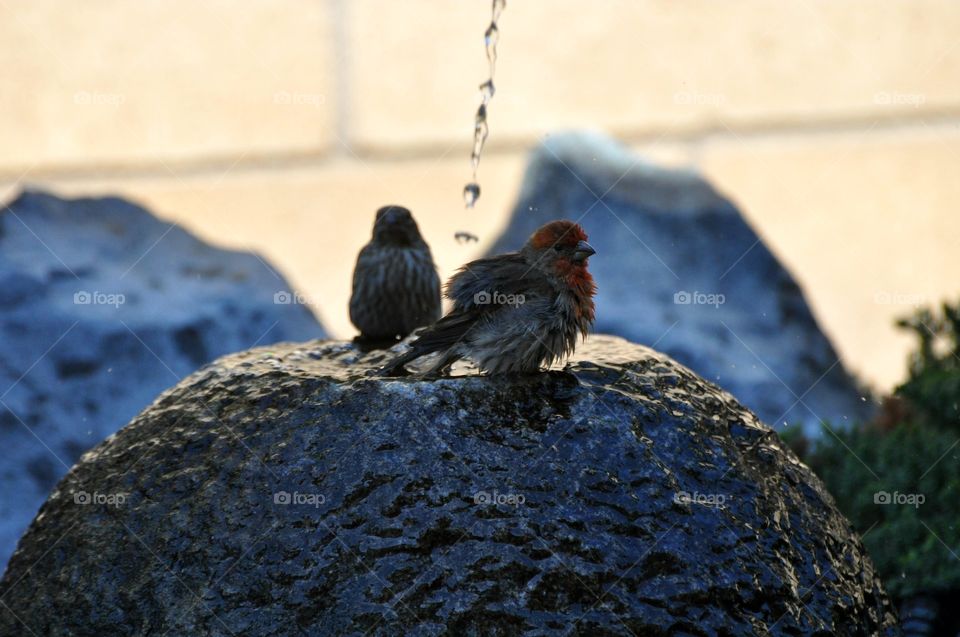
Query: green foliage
x=912, y=453
x=919, y=467
x=933, y=386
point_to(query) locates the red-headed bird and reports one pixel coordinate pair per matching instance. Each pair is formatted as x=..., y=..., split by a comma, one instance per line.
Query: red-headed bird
x=395, y=284
x=514, y=312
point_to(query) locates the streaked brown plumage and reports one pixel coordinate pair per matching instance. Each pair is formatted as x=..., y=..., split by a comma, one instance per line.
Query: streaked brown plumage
x=395, y=284
x=515, y=312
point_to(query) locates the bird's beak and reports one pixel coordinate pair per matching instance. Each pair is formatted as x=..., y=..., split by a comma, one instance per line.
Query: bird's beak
x=583, y=251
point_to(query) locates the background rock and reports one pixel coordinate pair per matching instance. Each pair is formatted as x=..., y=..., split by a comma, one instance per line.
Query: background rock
x=103, y=306
x=282, y=491
x=679, y=269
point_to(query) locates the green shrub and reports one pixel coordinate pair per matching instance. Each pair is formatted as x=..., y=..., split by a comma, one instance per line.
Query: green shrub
x=914, y=543
x=912, y=453
x=933, y=386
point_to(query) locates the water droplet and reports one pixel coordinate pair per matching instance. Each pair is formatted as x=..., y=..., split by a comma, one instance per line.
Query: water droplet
x=487, y=90
x=498, y=6
x=471, y=192
x=465, y=237
x=480, y=120
x=481, y=115
x=491, y=37
x=480, y=132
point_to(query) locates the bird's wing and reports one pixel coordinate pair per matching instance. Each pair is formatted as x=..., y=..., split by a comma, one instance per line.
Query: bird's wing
x=364, y=259
x=479, y=291
x=446, y=332
x=440, y=336
x=487, y=283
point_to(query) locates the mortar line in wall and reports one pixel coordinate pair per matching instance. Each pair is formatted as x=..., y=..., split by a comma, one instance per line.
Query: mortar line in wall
x=694, y=139
x=342, y=62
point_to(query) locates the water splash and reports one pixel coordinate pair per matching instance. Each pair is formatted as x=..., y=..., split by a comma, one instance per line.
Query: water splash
x=491, y=37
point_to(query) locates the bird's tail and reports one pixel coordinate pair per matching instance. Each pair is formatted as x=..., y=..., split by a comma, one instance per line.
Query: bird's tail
x=441, y=336
x=395, y=367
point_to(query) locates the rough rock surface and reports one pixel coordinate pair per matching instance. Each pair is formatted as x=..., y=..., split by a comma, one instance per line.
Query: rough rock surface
x=678, y=268
x=282, y=491
x=102, y=307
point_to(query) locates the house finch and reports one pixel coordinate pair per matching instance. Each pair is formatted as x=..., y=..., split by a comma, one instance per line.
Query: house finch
x=395, y=284
x=514, y=312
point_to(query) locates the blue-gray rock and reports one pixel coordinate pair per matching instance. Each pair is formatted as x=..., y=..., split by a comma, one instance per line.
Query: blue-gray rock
x=679, y=269
x=283, y=491
x=102, y=307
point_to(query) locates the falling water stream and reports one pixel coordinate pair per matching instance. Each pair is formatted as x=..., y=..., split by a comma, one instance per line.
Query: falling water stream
x=471, y=192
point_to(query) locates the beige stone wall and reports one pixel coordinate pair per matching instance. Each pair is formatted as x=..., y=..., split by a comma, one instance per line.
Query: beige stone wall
x=281, y=125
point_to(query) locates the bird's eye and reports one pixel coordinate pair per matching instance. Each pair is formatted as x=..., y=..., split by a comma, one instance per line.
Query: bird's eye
x=558, y=247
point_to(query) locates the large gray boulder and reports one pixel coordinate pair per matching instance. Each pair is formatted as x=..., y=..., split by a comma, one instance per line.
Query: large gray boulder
x=283, y=491
x=102, y=307
x=679, y=269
